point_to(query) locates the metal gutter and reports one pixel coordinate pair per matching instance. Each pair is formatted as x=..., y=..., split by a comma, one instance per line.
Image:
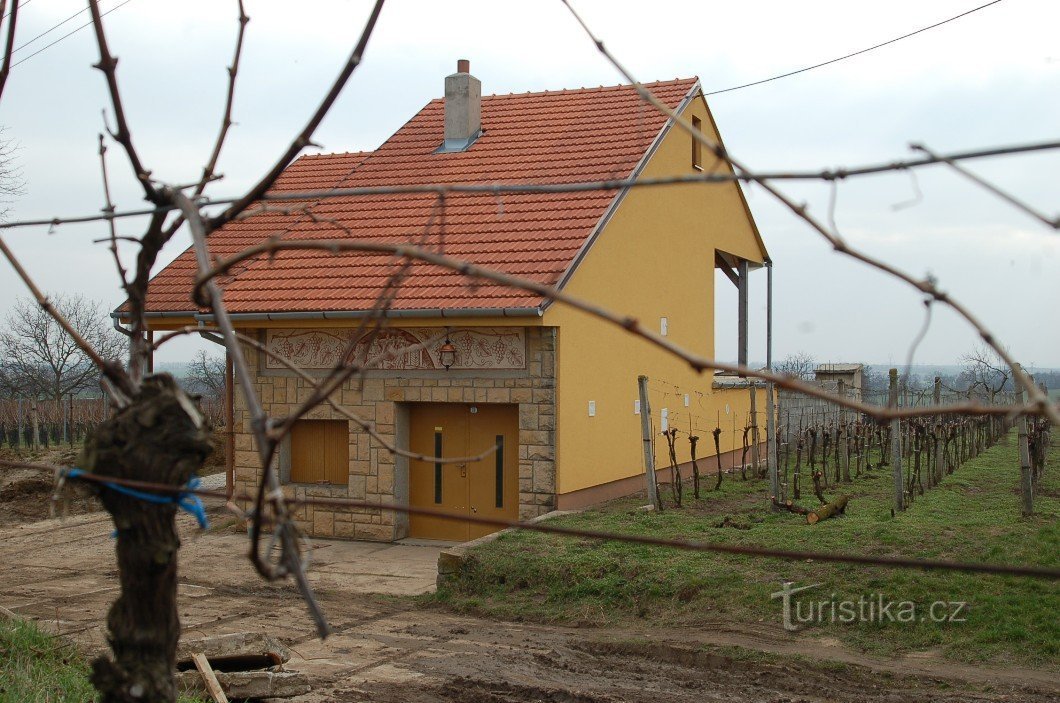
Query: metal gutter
x=118, y=315
x=613, y=207
x=360, y=314
x=116, y=321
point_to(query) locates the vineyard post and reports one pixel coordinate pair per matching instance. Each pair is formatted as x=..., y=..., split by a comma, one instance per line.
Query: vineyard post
x=771, y=444
x=754, y=429
x=34, y=423
x=896, y=446
x=645, y=433
x=938, y=469
x=1026, y=477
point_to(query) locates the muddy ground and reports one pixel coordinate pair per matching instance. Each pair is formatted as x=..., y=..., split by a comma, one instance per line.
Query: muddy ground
x=391, y=649
x=26, y=496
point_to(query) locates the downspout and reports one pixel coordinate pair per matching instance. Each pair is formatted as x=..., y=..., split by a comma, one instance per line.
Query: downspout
x=769, y=315
x=116, y=321
x=150, y=335
x=230, y=430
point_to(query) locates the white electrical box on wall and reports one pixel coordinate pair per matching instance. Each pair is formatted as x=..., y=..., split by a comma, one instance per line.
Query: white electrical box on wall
x=592, y=408
x=686, y=400
x=636, y=407
x=664, y=326
x=665, y=419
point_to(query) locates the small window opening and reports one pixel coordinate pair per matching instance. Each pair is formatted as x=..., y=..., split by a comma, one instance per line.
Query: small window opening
x=500, y=471
x=697, y=147
x=320, y=451
x=437, y=467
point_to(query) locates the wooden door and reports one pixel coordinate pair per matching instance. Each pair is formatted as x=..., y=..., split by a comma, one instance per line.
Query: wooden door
x=488, y=487
x=493, y=483
x=440, y=430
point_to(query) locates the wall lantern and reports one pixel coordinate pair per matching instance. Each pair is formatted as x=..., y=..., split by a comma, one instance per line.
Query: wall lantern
x=447, y=353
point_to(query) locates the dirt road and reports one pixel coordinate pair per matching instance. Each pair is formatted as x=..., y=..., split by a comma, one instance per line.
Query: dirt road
x=389, y=649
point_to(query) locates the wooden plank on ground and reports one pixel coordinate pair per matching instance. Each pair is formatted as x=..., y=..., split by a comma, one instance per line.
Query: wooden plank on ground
x=213, y=686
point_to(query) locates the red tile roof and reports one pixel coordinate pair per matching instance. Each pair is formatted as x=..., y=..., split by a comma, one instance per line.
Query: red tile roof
x=551, y=137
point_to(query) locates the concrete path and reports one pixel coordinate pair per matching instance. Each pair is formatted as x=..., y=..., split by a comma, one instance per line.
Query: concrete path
x=62, y=573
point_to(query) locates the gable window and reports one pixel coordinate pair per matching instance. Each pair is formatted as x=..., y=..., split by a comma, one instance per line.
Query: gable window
x=320, y=451
x=697, y=148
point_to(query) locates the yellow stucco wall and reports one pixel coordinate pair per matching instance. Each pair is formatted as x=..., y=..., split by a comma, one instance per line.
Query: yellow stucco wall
x=654, y=259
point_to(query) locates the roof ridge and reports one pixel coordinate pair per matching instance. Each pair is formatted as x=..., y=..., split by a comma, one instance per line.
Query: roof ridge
x=364, y=152
x=584, y=89
x=590, y=89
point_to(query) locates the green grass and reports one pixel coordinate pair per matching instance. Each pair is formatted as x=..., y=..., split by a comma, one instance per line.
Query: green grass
x=974, y=516
x=38, y=668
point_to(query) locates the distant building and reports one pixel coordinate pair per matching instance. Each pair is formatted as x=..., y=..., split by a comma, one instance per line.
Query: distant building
x=852, y=376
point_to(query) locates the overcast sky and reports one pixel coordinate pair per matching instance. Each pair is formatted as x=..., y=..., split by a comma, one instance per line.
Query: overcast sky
x=991, y=78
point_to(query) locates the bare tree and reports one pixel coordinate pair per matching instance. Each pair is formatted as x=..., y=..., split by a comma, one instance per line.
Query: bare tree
x=206, y=375
x=800, y=365
x=10, y=176
x=873, y=381
x=985, y=372
x=41, y=359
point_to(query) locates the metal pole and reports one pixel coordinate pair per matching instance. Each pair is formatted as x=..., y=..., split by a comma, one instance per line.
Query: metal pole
x=771, y=406
x=742, y=313
x=645, y=432
x=230, y=428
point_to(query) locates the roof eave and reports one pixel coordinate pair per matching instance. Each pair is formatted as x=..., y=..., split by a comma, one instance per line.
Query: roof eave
x=346, y=314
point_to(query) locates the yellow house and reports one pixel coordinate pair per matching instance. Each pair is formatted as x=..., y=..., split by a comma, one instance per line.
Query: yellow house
x=462, y=365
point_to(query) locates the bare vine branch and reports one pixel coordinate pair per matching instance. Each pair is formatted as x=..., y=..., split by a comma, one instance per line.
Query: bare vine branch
x=208, y=171
x=108, y=209
x=9, y=45
x=226, y=120
x=983, y=183
x=304, y=137
x=108, y=65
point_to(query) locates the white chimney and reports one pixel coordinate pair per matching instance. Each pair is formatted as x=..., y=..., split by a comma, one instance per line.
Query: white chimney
x=463, y=108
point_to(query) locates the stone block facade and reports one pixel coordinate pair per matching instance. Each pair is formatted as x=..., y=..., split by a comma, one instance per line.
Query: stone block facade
x=375, y=474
